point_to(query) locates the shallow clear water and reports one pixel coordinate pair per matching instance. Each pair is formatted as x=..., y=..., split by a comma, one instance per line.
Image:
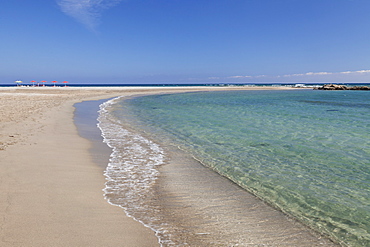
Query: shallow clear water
x=306, y=152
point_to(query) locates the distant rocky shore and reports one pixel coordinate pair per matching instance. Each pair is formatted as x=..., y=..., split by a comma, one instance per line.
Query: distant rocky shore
x=341, y=87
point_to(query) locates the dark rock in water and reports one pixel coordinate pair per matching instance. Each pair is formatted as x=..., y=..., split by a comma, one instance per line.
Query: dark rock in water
x=342, y=87
x=333, y=87
x=360, y=88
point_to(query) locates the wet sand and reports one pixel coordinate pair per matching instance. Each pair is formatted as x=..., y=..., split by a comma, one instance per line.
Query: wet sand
x=210, y=210
x=51, y=188
x=51, y=192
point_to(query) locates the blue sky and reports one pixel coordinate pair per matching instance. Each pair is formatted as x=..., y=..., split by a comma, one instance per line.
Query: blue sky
x=185, y=41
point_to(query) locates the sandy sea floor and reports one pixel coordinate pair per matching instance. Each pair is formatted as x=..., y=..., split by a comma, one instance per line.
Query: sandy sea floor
x=51, y=188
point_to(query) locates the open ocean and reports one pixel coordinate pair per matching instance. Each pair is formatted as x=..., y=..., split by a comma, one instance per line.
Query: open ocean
x=304, y=152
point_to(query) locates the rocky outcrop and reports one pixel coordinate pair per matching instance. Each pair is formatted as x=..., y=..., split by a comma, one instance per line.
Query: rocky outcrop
x=359, y=88
x=341, y=87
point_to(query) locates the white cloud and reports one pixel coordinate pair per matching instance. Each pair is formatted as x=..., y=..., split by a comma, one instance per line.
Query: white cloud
x=302, y=75
x=239, y=76
x=318, y=73
x=309, y=74
x=363, y=71
x=331, y=73
x=356, y=72
x=87, y=12
x=293, y=75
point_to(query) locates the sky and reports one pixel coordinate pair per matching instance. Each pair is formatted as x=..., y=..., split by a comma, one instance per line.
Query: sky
x=185, y=41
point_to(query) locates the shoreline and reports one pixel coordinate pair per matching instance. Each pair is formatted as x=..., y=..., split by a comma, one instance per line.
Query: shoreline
x=51, y=189
x=185, y=197
x=51, y=192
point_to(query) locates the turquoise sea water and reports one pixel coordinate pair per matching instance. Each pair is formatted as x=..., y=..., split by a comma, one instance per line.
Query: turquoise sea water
x=305, y=152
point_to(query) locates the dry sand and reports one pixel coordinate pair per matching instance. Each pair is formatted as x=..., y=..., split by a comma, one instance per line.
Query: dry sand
x=50, y=189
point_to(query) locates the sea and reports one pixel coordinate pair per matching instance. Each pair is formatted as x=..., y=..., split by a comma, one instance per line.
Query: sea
x=242, y=168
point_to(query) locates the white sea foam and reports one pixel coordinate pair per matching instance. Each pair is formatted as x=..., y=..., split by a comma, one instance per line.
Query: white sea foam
x=132, y=171
x=196, y=207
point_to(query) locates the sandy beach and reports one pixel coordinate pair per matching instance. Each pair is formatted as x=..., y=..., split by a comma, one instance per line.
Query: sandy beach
x=51, y=190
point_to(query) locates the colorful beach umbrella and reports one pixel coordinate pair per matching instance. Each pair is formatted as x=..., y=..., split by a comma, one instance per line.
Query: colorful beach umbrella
x=65, y=83
x=43, y=82
x=33, y=83
x=54, y=82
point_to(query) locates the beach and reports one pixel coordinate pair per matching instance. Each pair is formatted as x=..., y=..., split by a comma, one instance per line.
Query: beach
x=51, y=188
